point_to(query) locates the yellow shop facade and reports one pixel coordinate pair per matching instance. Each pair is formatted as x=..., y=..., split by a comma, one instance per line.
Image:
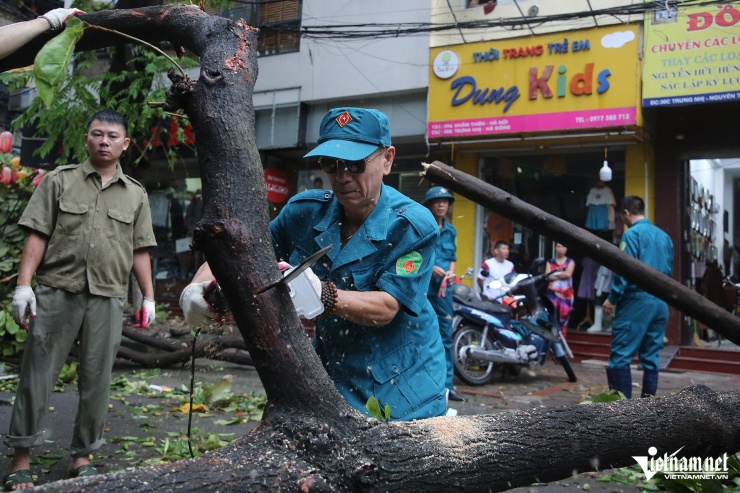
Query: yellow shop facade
x=539, y=117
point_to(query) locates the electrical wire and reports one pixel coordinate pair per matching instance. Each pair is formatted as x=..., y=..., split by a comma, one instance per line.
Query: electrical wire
x=393, y=30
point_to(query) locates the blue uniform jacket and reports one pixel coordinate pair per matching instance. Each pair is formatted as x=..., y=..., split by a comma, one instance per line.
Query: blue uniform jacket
x=401, y=364
x=651, y=246
x=444, y=254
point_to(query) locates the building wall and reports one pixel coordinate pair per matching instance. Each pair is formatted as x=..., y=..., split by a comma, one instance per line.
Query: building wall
x=329, y=70
x=457, y=11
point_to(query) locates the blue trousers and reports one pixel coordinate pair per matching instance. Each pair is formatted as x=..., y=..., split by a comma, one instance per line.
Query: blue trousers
x=638, y=327
x=443, y=309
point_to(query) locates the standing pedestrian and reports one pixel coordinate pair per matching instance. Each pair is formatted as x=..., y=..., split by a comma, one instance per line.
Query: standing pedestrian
x=89, y=225
x=560, y=290
x=639, y=317
x=494, y=268
x=438, y=200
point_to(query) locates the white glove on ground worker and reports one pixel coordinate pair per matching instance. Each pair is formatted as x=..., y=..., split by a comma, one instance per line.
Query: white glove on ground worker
x=23, y=299
x=196, y=310
x=146, y=315
x=150, y=308
x=57, y=18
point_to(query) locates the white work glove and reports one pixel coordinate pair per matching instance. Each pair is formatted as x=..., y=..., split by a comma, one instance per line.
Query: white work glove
x=196, y=310
x=146, y=315
x=23, y=299
x=57, y=18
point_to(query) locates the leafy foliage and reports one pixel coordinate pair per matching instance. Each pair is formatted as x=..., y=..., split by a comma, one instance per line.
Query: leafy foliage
x=13, y=200
x=67, y=101
x=373, y=407
x=50, y=66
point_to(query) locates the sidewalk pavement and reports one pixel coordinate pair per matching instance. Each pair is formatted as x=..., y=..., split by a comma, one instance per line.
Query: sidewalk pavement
x=541, y=386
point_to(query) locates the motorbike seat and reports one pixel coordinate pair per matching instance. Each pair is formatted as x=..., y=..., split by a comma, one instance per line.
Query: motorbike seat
x=487, y=306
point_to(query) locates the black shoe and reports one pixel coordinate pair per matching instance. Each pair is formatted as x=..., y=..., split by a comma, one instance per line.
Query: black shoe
x=454, y=396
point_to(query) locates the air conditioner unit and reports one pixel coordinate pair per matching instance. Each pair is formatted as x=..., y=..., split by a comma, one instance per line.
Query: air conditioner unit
x=20, y=99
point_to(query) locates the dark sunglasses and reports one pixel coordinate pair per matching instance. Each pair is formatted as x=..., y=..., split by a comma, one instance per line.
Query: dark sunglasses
x=332, y=165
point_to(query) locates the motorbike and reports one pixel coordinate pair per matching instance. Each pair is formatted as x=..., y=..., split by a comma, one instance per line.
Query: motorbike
x=517, y=334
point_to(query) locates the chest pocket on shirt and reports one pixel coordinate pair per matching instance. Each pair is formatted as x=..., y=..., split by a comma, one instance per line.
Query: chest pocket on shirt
x=364, y=279
x=448, y=251
x=120, y=224
x=71, y=218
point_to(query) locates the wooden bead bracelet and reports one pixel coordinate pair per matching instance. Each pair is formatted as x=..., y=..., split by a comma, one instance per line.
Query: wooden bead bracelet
x=329, y=296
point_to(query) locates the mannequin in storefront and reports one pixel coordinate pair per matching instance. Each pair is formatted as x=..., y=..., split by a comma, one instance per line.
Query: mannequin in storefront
x=602, y=287
x=586, y=289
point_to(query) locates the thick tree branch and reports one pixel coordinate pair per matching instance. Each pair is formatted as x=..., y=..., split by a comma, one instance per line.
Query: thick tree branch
x=481, y=453
x=669, y=290
x=183, y=25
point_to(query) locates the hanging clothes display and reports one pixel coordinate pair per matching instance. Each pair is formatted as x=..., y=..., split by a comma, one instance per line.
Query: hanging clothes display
x=601, y=205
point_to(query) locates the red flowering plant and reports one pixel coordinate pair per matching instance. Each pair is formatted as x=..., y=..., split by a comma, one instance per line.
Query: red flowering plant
x=17, y=184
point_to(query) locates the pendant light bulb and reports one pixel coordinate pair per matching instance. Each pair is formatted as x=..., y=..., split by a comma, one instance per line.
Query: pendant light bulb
x=605, y=173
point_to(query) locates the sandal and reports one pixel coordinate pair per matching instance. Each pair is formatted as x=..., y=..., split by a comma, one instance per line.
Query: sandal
x=21, y=476
x=83, y=471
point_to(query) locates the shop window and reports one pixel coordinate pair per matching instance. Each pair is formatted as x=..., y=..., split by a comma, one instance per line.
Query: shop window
x=411, y=186
x=279, y=23
x=277, y=127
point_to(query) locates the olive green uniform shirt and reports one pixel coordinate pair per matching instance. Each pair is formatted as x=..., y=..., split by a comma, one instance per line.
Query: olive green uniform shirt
x=92, y=231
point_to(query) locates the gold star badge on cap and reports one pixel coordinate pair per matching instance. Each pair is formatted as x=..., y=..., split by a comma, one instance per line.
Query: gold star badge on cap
x=343, y=119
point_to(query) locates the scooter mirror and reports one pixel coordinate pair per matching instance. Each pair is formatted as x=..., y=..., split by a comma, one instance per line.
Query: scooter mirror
x=537, y=265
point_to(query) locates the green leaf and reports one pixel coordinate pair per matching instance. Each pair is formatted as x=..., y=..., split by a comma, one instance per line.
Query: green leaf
x=50, y=65
x=222, y=388
x=21, y=336
x=211, y=443
x=373, y=407
x=610, y=396
x=11, y=326
x=387, y=414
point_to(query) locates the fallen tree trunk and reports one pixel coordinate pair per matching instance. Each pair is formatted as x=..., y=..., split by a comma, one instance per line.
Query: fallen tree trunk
x=164, y=352
x=473, y=453
x=668, y=289
x=310, y=440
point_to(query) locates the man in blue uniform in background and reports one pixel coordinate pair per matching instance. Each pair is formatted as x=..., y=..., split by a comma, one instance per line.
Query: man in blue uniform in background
x=439, y=200
x=639, y=317
x=378, y=335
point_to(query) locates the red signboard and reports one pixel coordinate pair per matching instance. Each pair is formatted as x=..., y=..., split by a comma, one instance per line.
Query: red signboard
x=278, y=187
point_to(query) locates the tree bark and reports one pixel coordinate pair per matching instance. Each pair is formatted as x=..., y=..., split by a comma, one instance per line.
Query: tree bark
x=165, y=352
x=310, y=440
x=669, y=290
x=481, y=453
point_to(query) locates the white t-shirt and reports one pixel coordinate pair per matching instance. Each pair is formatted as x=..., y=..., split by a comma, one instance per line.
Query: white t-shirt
x=496, y=270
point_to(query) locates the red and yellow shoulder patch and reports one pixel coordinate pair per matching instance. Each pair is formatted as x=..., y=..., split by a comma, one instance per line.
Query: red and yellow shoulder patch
x=409, y=264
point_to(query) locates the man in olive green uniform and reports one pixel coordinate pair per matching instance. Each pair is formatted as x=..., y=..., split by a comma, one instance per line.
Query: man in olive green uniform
x=89, y=225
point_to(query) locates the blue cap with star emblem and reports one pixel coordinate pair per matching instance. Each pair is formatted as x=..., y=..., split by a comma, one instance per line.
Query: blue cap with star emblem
x=438, y=193
x=352, y=133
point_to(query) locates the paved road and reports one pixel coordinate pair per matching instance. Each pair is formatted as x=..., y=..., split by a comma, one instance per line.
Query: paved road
x=542, y=386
